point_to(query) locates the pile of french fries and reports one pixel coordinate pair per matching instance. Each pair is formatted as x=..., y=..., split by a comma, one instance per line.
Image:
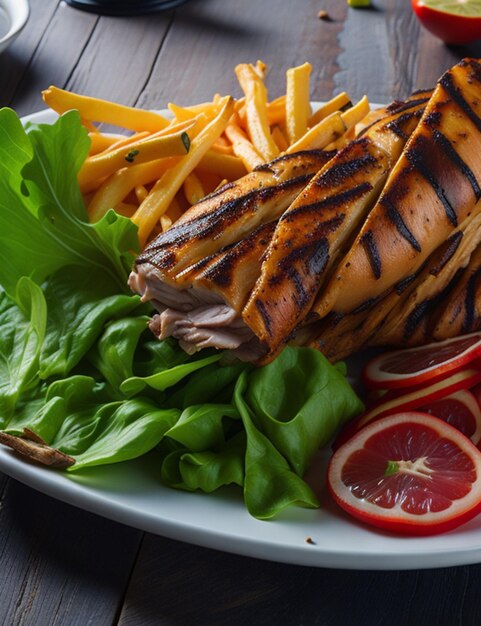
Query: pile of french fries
x=165, y=165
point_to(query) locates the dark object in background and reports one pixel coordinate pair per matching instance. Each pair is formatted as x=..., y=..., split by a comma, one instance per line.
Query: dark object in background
x=125, y=7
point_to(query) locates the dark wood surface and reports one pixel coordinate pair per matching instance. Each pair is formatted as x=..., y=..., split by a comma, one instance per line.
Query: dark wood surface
x=61, y=565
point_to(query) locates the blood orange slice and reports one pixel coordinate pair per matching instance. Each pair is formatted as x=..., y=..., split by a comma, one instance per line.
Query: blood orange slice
x=414, y=366
x=394, y=402
x=459, y=409
x=408, y=473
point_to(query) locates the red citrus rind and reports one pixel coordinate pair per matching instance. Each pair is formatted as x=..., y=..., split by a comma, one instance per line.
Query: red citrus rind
x=410, y=400
x=459, y=409
x=357, y=467
x=412, y=366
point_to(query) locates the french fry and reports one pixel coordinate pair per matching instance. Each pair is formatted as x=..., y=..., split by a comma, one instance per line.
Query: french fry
x=149, y=212
x=97, y=110
x=276, y=111
x=227, y=139
x=243, y=148
x=221, y=184
x=118, y=186
x=281, y=141
x=224, y=165
x=91, y=128
x=260, y=68
x=125, y=141
x=100, y=142
x=256, y=111
x=298, y=108
x=193, y=189
x=125, y=208
x=319, y=136
x=356, y=113
x=338, y=103
x=239, y=104
x=105, y=164
x=165, y=222
x=331, y=128
x=222, y=148
x=174, y=210
x=182, y=114
x=140, y=193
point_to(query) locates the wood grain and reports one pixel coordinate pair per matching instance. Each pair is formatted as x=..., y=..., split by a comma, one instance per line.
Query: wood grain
x=16, y=62
x=207, y=40
x=174, y=583
x=58, y=52
x=58, y=564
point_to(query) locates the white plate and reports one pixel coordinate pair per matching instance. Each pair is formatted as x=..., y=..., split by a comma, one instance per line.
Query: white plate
x=132, y=493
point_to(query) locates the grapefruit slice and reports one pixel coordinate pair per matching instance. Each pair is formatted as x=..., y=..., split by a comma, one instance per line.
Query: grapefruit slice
x=459, y=409
x=414, y=366
x=409, y=473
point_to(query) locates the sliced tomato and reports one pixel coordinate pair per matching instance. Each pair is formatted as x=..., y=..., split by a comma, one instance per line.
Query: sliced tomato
x=414, y=366
x=410, y=400
x=454, y=21
x=408, y=473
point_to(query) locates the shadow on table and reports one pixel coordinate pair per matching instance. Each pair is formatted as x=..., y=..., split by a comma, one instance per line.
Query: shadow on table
x=180, y=585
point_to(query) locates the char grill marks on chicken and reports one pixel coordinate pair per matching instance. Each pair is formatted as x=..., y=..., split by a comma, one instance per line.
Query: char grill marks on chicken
x=375, y=245
x=313, y=231
x=198, y=274
x=432, y=189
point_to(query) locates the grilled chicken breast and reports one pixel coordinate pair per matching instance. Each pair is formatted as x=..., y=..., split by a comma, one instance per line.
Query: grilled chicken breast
x=461, y=312
x=431, y=190
x=312, y=232
x=231, y=213
x=409, y=322
x=376, y=244
x=199, y=273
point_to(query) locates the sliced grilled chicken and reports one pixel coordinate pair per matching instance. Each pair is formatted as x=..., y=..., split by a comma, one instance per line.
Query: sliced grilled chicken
x=461, y=313
x=319, y=223
x=231, y=273
x=410, y=322
x=218, y=289
x=231, y=213
x=431, y=190
x=198, y=273
x=403, y=316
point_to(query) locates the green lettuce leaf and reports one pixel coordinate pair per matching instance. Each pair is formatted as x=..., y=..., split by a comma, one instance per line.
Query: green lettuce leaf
x=23, y=331
x=299, y=401
x=270, y=485
x=79, y=305
x=80, y=419
x=201, y=427
x=113, y=354
x=214, y=383
x=166, y=378
x=206, y=471
x=39, y=195
x=126, y=430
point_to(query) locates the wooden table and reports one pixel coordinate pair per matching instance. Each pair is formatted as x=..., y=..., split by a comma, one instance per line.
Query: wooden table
x=61, y=565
